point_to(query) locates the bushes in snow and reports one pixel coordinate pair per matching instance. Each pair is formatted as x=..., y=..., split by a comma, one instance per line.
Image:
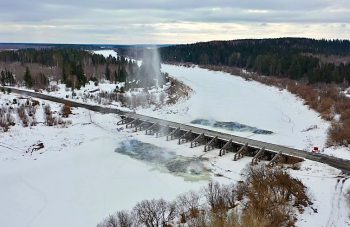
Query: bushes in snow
x=22, y=113
x=51, y=120
x=66, y=110
x=26, y=110
x=267, y=197
x=26, y=113
x=6, y=118
x=271, y=196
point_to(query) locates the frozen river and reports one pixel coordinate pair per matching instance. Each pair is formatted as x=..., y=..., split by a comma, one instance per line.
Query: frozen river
x=247, y=105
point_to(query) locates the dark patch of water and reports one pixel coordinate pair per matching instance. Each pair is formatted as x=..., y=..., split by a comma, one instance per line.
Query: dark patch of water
x=231, y=126
x=191, y=168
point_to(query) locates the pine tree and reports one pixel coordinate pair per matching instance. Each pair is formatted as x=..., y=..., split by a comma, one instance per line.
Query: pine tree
x=115, y=76
x=28, y=78
x=77, y=70
x=9, y=79
x=123, y=74
x=64, y=75
x=3, y=78
x=81, y=75
x=107, y=72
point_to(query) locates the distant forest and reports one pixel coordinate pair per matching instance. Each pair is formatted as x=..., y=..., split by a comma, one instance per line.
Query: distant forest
x=296, y=58
x=73, y=67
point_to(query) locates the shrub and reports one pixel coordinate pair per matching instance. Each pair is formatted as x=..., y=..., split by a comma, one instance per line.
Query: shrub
x=66, y=110
x=23, y=116
x=4, y=119
x=35, y=102
x=339, y=133
x=270, y=196
x=49, y=119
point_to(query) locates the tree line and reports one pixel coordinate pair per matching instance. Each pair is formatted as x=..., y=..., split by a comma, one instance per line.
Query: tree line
x=295, y=58
x=73, y=67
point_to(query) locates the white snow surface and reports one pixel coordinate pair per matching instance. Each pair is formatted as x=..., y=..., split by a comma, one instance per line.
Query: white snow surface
x=219, y=96
x=222, y=97
x=106, y=53
x=78, y=179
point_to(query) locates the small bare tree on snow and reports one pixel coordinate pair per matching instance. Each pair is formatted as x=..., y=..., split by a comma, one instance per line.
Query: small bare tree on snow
x=120, y=219
x=188, y=206
x=154, y=213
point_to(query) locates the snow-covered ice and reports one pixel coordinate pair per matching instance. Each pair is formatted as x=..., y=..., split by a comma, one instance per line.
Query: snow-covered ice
x=78, y=179
x=222, y=97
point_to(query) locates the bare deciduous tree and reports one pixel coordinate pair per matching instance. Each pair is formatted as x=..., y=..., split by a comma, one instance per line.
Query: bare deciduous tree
x=120, y=219
x=188, y=206
x=154, y=213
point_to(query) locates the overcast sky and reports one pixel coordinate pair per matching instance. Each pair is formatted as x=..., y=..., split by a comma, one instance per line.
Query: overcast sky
x=170, y=21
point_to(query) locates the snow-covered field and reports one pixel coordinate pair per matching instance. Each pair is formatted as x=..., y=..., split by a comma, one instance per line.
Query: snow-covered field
x=90, y=89
x=78, y=178
x=106, y=53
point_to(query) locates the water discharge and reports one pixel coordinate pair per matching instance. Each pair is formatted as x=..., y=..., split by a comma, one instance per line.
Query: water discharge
x=150, y=73
x=190, y=168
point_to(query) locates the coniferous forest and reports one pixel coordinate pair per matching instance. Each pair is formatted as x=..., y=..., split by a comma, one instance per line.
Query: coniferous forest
x=295, y=58
x=73, y=67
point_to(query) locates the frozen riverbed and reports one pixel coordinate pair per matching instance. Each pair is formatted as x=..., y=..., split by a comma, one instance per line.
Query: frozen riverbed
x=222, y=97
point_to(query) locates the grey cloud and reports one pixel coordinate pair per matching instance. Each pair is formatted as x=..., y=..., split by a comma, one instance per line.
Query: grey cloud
x=154, y=20
x=209, y=11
